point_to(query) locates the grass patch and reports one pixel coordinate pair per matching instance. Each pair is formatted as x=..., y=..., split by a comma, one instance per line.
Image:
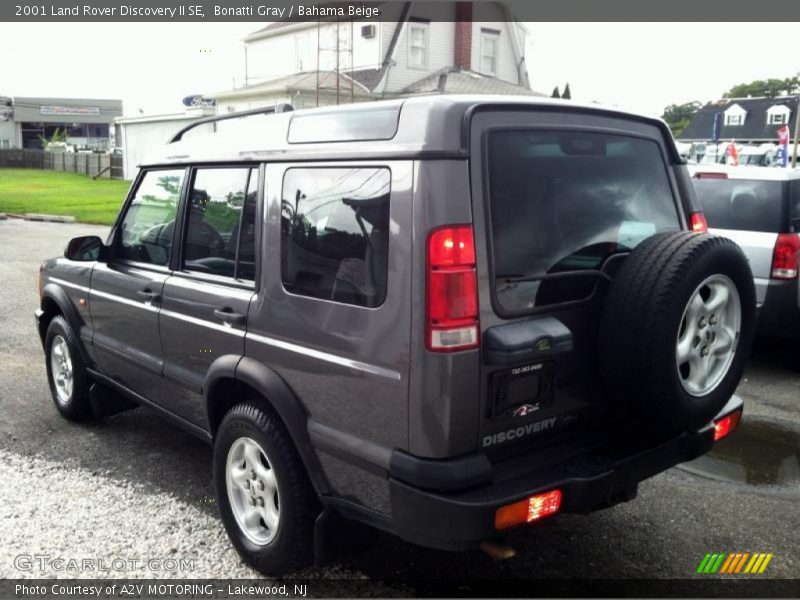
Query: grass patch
x=36, y=191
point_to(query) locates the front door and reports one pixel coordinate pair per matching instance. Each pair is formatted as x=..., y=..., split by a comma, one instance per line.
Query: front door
x=126, y=291
x=204, y=303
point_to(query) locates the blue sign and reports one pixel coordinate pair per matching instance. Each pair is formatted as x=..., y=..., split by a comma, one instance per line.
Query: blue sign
x=715, y=130
x=198, y=101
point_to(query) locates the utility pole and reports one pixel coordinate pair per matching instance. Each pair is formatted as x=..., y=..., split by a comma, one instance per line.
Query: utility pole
x=796, y=128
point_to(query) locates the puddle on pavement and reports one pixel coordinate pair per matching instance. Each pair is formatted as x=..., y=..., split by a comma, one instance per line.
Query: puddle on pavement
x=757, y=453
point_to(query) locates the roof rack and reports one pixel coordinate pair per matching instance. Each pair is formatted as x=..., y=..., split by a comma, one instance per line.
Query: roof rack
x=278, y=108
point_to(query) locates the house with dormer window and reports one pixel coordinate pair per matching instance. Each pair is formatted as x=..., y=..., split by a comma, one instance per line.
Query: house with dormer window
x=745, y=120
x=416, y=48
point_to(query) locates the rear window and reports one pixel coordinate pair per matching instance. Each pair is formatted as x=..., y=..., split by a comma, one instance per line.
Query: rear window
x=564, y=202
x=743, y=204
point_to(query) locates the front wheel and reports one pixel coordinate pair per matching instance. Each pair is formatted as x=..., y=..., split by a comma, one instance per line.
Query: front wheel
x=267, y=502
x=66, y=371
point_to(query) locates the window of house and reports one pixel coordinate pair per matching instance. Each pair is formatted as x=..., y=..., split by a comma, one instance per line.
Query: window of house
x=335, y=234
x=220, y=223
x=734, y=119
x=148, y=226
x=777, y=118
x=418, y=45
x=490, y=44
x=5, y=144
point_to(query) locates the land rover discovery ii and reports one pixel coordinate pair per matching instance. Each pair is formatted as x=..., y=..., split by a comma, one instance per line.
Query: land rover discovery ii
x=442, y=316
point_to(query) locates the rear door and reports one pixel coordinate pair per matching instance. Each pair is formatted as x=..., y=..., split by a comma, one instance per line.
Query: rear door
x=751, y=212
x=126, y=291
x=205, y=301
x=559, y=199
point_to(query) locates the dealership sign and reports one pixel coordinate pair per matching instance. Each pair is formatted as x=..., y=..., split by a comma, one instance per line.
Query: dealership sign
x=69, y=110
x=198, y=101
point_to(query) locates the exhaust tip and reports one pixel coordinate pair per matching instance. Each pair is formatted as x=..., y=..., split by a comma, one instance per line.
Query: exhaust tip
x=497, y=551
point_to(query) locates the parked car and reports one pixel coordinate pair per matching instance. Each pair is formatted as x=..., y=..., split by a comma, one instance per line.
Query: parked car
x=762, y=155
x=760, y=210
x=60, y=147
x=442, y=317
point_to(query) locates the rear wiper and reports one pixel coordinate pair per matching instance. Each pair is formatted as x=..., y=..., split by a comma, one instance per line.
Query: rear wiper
x=561, y=275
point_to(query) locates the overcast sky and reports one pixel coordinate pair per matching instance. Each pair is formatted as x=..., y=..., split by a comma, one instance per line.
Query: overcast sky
x=151, y=66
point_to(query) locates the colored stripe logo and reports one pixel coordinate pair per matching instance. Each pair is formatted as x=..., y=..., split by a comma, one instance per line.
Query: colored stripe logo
x=734, y=563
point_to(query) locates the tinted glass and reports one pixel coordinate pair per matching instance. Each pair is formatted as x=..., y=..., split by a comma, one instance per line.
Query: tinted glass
x=742, y=204
x=795, y=208
x=149, y=224
x=335, y=234
x=565, y=202
x=216, y=201
x=374, y=123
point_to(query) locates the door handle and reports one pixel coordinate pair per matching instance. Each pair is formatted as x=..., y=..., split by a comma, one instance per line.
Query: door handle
x=229, y=317
x=149, y=295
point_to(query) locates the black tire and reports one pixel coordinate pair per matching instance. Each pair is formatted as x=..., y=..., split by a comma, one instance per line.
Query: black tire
x=642, y=318
x=292, y=547
x=75, y=407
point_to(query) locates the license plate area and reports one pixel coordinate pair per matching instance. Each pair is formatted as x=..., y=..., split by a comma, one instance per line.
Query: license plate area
x=521, y=390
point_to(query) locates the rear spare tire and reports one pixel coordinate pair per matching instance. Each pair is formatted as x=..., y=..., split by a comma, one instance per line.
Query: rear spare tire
x=676, y=329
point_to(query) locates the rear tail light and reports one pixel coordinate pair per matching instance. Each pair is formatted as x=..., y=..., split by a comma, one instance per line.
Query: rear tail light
x=528, y=510
x=452, y=294
x=785, y=255
x=698, y=223
x=726, y=425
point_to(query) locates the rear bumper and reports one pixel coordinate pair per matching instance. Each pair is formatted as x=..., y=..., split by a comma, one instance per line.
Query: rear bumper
x=590, y=481
x=779, y=315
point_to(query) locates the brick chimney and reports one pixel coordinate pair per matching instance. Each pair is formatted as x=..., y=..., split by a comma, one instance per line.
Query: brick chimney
x=462, y=55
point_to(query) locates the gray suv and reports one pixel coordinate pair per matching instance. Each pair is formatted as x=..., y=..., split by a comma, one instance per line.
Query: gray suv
x=442, y=317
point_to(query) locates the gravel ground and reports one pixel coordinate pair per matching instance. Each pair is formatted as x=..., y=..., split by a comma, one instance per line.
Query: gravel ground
x=134, y=487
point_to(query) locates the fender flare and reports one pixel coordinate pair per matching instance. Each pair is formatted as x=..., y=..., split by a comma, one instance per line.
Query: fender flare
x=57, y=294
x=280, y=397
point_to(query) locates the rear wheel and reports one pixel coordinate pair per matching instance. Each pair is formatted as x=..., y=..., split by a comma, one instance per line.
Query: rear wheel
x=267, y=502
x=676, y=330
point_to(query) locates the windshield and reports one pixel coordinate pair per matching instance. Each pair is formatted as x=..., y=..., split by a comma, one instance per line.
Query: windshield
x=743, y=204
x=566, y=201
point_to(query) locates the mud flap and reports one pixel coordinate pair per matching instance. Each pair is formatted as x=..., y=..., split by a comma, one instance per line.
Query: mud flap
x=105, y=401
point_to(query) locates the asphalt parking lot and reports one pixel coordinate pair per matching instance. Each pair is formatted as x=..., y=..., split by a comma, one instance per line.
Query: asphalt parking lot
x=136, y=487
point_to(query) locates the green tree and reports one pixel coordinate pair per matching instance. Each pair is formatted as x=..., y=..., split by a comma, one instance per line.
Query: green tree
x=678, y=116
x=59, y=135
x=765, y=87
x=555, y=93
x=567, y=95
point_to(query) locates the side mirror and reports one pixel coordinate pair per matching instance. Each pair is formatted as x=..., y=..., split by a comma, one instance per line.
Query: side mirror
x=85, y=248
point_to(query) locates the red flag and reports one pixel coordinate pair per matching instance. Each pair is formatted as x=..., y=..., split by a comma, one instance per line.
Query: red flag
x=733, y=155
x=783, y=135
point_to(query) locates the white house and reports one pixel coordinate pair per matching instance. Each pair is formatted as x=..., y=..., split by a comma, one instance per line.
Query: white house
x=137, y=136
x=460, y=47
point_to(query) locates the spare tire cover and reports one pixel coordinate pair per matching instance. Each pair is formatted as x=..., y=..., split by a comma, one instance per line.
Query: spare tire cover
x=676, y=329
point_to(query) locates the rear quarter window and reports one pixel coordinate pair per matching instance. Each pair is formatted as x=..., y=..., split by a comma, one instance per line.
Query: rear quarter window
x=562, y=201
x=741, y=204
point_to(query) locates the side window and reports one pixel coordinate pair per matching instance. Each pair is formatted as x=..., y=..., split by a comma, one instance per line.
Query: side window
x=217, y=234
x=149, y=224
x=335, y=234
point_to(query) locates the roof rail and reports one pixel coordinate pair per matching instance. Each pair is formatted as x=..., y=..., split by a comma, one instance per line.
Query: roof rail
x=278, y=108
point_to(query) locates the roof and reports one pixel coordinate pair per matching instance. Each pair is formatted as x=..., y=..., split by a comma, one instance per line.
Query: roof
x=305, y=81
x=755, y=124
x=386, y=129
x=456, y=81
